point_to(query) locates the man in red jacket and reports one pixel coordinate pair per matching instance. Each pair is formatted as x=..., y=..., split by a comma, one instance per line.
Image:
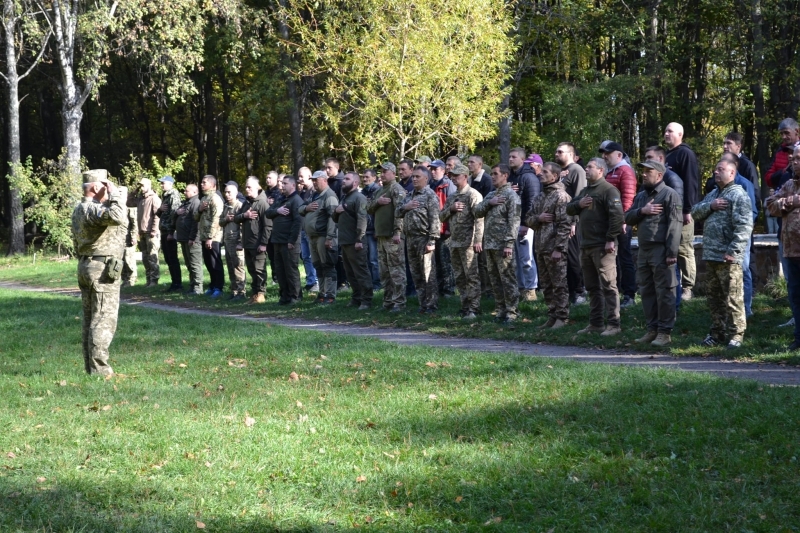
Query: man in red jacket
x=621, y=175
x=790, y=135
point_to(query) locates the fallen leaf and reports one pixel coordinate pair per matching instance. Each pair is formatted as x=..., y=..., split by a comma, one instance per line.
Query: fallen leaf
x=549, y=366
x=459, y=498
x=200, y=525
x=361, y=479
x=62, y=383
x=237, y=363
x=208, y=465
x=432, y=365
x=432, y=397
x=294, y=377
x=249, y=420
x=106, y=408
x=299, y=403
x=41, y=479
x=368, y=520
x=495, y=520
x=11, y=455
x=322, y=356
x=182, y=365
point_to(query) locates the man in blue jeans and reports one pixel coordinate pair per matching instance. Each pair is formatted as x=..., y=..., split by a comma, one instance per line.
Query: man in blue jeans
x=306, y=189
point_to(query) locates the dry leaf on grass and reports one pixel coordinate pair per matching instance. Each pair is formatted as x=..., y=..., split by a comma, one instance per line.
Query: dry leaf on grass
x=459, y=498
x=495, y=520
x=182, y=365
x=249, y=420
x=432, y=397
x=200, y=525
x=41, y=479
x=299, y=403
x=237, y=363
x=294, y=377
x=11, y=455
x=431, y=364
x=361, y=479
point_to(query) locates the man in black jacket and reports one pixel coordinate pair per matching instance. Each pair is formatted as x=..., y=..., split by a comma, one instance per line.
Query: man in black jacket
x=683, y=161
x=287, y=221
x=256, y=230
x=524, y=182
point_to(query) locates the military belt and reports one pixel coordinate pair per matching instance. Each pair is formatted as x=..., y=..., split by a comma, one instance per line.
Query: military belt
x=99, y=258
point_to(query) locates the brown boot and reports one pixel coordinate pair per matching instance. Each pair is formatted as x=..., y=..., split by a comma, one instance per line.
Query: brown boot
x=558, y=324
x=663, y=339
x=611, y=331
x=548, y=324
x=257, y=298
x=650, y=336
x=528, y=295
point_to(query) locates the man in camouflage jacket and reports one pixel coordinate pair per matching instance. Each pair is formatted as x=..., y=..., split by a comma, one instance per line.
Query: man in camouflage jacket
x=551, y=229
x=785, y=203
x=466, y=239
x=232, y=240
x=99, y=224
x=501, y=213
x=420, y=214
x=170, y=201
x=389, y=232
x=728, y=217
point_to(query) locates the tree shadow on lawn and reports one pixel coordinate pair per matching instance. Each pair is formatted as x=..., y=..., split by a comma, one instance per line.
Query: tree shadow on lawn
x=637, y=451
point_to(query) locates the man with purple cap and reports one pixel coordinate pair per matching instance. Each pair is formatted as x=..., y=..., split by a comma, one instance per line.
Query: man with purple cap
x=525, y=183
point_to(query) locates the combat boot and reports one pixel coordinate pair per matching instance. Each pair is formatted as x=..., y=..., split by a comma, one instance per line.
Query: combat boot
x=257, y=298
x=662, y=339
x=591, y=329
x=558, y=324
x=548, y=324
x=611, y=331
x=528, y=295
x=650, y=336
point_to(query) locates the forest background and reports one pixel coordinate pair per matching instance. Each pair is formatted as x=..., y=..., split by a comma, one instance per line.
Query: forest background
x=234, y=88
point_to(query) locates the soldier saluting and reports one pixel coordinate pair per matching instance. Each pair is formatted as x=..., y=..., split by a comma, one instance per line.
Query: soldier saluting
x=99, y=224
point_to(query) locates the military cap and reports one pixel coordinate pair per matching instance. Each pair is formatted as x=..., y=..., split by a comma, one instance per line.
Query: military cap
x=389, y=166
x=319, y=174
x=423, y=159
x=460, y=170
x=170, y=179
x=99, y=174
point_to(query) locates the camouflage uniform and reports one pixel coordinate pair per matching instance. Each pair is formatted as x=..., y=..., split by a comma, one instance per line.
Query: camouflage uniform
x=169, y=246
x=726, y=231
x=234, y=252
x=129, y=270
x=320, y=227
x=501, y=226
x=149, y=237
x=552, y=237
x=422, y=227
x=659, y=238
x=779, y=205
x=391, y=256
x=98, y=232
x=465, y=232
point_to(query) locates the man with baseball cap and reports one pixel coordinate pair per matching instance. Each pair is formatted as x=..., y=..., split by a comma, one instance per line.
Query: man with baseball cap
x=170, y=202
x=149, y=236
x=99, y=224
x=321, y=229
x=657, y=213
x=441, y=185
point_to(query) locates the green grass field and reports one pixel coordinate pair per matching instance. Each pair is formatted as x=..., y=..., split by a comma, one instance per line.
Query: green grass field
x=206, y=428
x=763, y=341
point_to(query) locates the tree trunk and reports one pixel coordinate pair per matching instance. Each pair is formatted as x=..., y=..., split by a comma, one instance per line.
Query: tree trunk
x=248, y=151
x=295, y=115
x=224, y=163
x=16, y=243
x=505, y=132
x=211, y=128
x=762, y=144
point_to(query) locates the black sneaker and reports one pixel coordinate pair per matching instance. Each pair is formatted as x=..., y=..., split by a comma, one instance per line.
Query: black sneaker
x=709, y=341
x=793, y=347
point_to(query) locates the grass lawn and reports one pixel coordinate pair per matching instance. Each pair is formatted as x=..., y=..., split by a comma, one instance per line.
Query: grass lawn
x=206, y=428
x=763, y=341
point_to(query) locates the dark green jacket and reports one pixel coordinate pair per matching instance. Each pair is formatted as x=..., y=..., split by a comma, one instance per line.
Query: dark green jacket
x=602, y=222
x=186, y=225
x=353, y=220
x=255, y=232
x=286, y=229
x=319, y=223
x=664, y=228
x=169, y=203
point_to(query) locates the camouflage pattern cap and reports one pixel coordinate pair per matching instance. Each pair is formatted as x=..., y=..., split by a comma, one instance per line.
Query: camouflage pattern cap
x=99, y=174
x=460, y=170
x=423, y=159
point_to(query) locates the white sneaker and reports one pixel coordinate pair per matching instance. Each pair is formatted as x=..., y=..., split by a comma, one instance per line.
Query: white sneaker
x=789, y=324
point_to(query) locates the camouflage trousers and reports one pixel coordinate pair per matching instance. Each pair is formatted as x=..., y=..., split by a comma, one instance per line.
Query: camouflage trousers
x=423, y=271
x=444, y=271
x=465, y=268
x=553, y=282
x=193, y=257
x=234, y=260
x=503, y=273
x=392, y=266
x=657, y=281
x=129, y=271
x=100, y=301
x=725, y=298
x=150, y=247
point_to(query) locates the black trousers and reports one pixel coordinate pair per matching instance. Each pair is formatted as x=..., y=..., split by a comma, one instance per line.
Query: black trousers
x=212, y=258
x=288, y=273
x=626, y=271
x=257, y=269
x=170, y=249
x=574, y=272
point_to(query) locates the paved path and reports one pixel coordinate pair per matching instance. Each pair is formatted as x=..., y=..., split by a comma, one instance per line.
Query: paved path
x=765, y=372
